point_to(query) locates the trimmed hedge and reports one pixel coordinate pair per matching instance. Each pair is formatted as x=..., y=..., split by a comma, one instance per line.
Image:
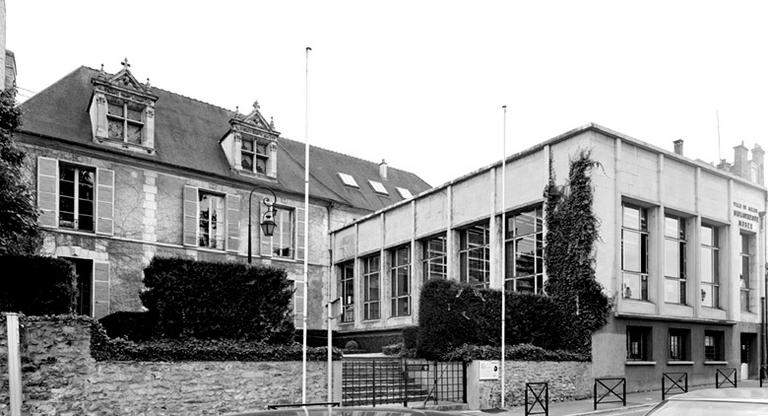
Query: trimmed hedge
x=519, y=352
x=208, y=300
x=105, y=349
x=135, y=326
x=411, y=336
x=37, y=285
x=452, y=314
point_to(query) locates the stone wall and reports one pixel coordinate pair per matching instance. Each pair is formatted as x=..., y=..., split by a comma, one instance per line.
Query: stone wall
x=568, y=380
x=59, y=376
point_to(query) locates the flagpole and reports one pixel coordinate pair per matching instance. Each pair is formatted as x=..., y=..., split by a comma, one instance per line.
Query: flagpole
x=503, y=252
x=306, y=229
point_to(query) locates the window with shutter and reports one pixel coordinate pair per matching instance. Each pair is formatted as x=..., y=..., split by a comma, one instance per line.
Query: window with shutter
x=189, y=226
x=47, y=177
x=233, y=222
x=105, y=205
x=100, y=289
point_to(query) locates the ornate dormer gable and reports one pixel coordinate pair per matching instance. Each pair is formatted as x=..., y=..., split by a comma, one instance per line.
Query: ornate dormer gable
x=123, y=111
x=251, y=144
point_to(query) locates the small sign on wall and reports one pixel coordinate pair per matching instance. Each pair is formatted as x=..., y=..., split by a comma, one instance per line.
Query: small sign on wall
x=488, y=370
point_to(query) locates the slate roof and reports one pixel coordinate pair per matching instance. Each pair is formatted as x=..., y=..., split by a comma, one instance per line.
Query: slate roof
x=187, y=134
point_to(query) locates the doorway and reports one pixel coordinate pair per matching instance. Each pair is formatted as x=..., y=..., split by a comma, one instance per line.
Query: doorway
x=84, y=272
x=748, y=348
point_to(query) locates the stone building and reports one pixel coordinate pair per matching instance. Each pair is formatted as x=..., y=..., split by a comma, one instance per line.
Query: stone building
x=681, y=252
x=125, y=171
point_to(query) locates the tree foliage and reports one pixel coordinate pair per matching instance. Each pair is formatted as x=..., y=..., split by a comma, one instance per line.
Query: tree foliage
x=19, y=233
x=569, y=252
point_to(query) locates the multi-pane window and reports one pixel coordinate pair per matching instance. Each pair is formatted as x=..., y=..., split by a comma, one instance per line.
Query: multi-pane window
x=400, y=275
x=283, y=239
x=371, y=288
x=474, y=255
x=76, y=197
x=674, y=260
x=254, y=155
x=524, y=243
x=678, y=344
x=713, y=346
x=211, y=221
x=638, y=343
x=347, y=291
x=744, y=276
x=434, y=258
x=124, y=120
x=710, y=267
x=634, y=252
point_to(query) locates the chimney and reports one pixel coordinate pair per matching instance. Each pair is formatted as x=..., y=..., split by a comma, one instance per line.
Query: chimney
x=383, y=169
x=678, y=146
x=758, y=156
x=741, y=161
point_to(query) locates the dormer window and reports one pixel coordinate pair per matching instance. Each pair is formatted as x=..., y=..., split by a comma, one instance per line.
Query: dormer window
x=255, y=155
x=122, y=111
x=251, y=144
x=125, y=121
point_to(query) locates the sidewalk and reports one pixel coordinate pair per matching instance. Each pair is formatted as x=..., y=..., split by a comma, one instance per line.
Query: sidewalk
x=641, y=400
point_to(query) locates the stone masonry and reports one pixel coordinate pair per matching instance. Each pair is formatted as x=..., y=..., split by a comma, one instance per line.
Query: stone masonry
x=60, y=377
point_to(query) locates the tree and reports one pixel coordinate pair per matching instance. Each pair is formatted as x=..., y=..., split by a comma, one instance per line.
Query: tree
x=19, y=232
x=569, y=252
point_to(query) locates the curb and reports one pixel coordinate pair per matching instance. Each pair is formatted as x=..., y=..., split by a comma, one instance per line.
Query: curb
x=602, y=411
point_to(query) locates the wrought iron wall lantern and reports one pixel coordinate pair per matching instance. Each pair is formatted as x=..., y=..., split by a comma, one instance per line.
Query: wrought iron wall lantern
x=268, y=223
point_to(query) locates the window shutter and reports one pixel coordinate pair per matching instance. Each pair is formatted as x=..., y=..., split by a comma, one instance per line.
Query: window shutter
x=233, y=222
x=298, y=304
x=47, y=185
x=191, y=210
x=265, y=243
x=105, y=205
x=100, y=289
x=300, y=233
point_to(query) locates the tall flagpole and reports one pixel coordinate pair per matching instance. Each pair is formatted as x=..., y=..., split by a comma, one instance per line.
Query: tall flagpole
x=306, y=229
x=503, y=252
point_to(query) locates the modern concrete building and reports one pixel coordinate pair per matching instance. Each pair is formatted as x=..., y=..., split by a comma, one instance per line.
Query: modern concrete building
x=125, y=171
x=681, y=251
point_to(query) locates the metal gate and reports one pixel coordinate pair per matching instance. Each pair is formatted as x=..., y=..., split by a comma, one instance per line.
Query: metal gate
x=375, y=381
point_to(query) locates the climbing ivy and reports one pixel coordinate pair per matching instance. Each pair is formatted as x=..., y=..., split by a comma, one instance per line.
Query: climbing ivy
x=569, y=252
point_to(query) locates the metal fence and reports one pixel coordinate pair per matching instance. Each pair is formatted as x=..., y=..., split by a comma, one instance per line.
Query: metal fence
x=725, y=377
x=607, y=388
x=371, y=382
x=673, y=383
x=536, y=394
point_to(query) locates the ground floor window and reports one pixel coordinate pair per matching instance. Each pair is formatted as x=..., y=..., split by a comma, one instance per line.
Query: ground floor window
x=638, y=343
x=713, y=346
x=679, y=345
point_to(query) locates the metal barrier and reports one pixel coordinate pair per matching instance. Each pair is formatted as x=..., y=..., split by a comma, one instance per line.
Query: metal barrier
x=280, y=406
x=674, y=379
x=610, y=390
x=723, y=377
x=371, y=382
x=537, y=390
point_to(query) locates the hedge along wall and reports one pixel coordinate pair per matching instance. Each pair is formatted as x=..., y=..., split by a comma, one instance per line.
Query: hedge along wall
x=59, y=376
x=568, y=380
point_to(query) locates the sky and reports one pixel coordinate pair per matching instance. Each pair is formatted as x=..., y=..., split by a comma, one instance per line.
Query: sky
x=421, y=83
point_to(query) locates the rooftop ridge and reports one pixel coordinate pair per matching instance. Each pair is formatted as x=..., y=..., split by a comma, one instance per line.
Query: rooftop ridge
x=152, y=87
x=350, y=156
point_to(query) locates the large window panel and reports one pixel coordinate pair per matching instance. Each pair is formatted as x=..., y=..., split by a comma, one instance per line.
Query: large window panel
x=76, y=197
x=434, y=258
x=211, y=220
x=371, y=288
x=347, y=291
x=675, y=262
x=745, y=286
x=524, y=251
x=710, y=266
x=474, y=255
x=634, y=253
x=283, y=239
x=400, y=275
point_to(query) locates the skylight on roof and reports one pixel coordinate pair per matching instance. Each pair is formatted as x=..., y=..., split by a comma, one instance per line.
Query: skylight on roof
x=348, y=180
x=378, y=187
x=404, y=193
